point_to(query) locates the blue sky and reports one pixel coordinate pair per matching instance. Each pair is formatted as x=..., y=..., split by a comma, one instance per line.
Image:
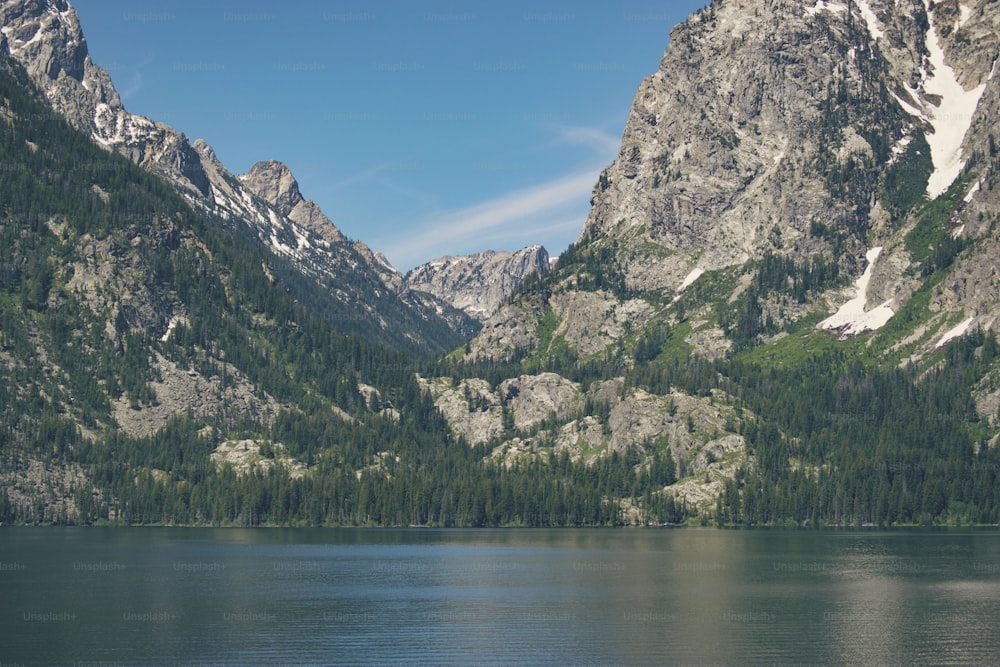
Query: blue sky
x=420, y=128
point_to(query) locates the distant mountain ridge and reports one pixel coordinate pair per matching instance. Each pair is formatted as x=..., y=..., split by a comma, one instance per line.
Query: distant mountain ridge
x=478, y=284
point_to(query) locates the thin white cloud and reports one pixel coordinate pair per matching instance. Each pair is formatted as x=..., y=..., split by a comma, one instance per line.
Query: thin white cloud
x=571, y=225
x=510, y=216
x=132, y=86
x=602, y=143
x=385, y=177
x=369, y=173
x=519, y=204
x=134, y=81
x=551, y=213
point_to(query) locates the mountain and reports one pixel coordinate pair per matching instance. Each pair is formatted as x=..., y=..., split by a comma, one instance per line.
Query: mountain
x=479, y=283
x=343, y=278
x=803, y=209
x=45, y=37
x=136, y=334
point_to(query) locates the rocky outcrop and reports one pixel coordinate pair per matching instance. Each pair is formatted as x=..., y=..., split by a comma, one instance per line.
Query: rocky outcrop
x=686, y=421
x=478, y=284
x=472, y=408
x=536, y=416
x=590, y=321
x=533, y=399
x=511, y=329
x=180, y=392
x=254, y=456
x=479, y=413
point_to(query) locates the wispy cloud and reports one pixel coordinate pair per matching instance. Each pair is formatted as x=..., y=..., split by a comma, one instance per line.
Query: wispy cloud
x=526, y=214
x=131, y=83
x=518, y=205
x=551, y=213
x=538, y=234
x=602, y=143
x=387, y=176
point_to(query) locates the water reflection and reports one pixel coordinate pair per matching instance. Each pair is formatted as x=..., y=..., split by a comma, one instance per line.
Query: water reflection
x=499, y=596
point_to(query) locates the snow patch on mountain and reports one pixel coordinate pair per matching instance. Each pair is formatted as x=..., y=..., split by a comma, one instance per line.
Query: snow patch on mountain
x=823, y=5
x=873, y=25
x=687, y=282
x=966, y=14
x=972, y=192
x=691, y=277
x=951, y=119
x=174, y=321
x=955, y=332
x=852, y=318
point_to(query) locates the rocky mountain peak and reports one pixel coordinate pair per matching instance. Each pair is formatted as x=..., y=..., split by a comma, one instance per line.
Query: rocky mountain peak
x=273, y=182
x=766, y=120
x=47, y=33
x=812, y=131
x=46, y=38
x=479, y=283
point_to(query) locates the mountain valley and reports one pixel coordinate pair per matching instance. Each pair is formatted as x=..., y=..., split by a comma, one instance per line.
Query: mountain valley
x=781, y=308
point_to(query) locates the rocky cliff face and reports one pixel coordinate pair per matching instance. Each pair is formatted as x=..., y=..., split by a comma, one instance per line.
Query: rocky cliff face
x=729, y=146
x=46, y=38
x=796, y=123
x=478, y=284
x=535, y=416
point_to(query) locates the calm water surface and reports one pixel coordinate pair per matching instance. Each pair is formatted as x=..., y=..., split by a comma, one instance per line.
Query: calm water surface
x=175, y=596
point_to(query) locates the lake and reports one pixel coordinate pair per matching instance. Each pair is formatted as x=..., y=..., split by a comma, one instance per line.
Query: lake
x=197, y=596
